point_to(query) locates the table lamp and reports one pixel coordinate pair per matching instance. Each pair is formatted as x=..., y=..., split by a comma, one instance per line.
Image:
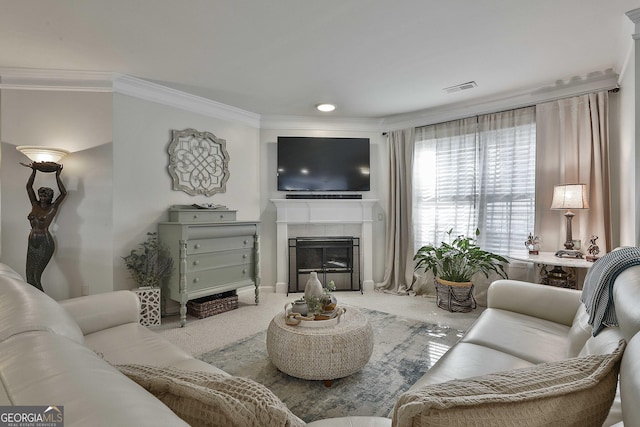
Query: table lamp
x=569, y=196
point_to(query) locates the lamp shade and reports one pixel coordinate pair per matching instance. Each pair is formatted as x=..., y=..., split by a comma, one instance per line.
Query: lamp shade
x=570, y=196
x=42, y=154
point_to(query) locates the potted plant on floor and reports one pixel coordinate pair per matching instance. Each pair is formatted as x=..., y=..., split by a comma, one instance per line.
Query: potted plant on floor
x=453, y=265
x=149, y=265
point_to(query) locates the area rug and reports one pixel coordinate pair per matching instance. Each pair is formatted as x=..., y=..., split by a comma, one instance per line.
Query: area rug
x=404, y=349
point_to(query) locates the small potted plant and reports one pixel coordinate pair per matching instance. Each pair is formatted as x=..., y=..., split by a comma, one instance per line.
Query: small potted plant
x=149, y=265
x=453, y=265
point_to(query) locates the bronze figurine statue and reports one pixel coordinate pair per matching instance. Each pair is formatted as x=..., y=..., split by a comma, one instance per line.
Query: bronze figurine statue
x=593, y=249
x=43, y=210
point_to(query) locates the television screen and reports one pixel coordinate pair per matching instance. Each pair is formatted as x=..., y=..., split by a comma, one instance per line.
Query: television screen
x=323, y=164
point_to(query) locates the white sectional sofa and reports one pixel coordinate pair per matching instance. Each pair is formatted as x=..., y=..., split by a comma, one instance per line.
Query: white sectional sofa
x=56, y=354
x=526, y=324
x=63, y=353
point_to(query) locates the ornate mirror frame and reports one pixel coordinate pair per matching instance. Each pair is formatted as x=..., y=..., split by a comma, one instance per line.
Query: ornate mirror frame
x=198, y=162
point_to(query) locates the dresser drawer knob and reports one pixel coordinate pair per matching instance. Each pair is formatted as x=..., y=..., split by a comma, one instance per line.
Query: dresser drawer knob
x=244, y=256
x=246, y=241
x=196, y=280
x=196, y=262
x=244, y=271
x=195, y=216
x=197, y=246
x=221, y=216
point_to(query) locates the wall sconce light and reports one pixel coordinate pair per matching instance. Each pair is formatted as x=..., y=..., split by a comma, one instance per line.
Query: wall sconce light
x=42, y=154
x=569, y=196
x=44, y=208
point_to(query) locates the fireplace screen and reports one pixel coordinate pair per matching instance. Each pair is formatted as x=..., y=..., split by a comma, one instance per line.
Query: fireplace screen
x=333, y=258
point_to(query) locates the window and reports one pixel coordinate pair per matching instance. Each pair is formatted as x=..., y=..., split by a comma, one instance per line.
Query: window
x=476, y=173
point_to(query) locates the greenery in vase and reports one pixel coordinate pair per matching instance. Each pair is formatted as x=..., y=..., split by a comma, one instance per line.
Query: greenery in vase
x=314, y=304
x=331, y=286
x=318, y=304
x=459, y=260
x=150, y=263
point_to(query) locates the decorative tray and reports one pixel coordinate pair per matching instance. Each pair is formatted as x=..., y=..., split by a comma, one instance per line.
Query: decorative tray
x=327, y=318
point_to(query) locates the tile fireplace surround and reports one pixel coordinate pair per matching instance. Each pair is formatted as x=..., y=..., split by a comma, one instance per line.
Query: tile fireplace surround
x=295, y=212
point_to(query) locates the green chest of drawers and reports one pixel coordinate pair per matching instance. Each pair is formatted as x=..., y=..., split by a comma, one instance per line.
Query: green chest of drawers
x=210, y=258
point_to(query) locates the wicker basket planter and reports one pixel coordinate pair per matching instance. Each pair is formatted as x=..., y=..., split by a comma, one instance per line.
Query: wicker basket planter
x=213, y=304
x=455, y=296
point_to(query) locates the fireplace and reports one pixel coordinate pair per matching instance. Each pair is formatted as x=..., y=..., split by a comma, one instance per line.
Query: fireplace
x=333, y=258
x=328, y=214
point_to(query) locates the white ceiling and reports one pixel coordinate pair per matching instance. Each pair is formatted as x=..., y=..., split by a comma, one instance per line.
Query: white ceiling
x=372, y=58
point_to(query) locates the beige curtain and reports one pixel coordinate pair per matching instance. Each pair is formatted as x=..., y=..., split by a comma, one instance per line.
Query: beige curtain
x=398, y=273
x=573, y=147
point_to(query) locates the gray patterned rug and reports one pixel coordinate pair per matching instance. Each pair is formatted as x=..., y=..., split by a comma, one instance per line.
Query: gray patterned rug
x=403, y=351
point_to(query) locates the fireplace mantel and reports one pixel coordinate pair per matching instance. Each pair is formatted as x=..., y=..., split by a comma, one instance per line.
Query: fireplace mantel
x=324, y=211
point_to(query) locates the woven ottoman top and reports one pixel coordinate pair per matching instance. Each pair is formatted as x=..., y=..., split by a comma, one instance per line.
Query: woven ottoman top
x=321, y=353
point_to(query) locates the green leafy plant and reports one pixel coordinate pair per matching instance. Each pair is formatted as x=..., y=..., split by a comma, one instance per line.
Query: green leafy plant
x=459, y=260
x=150, y=263
x=314, y=304
x=331, y=286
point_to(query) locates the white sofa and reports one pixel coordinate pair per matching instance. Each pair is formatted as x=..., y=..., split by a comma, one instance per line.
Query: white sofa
x=526, y=324
x=56, y=354
x=62, y=353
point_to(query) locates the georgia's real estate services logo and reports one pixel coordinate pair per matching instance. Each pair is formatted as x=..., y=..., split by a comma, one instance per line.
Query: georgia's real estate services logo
x=31, y=416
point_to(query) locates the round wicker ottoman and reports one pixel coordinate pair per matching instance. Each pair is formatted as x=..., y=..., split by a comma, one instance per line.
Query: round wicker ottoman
x=321, y=353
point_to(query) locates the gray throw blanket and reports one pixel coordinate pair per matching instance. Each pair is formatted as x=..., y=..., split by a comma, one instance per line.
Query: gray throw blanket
x=597, y=291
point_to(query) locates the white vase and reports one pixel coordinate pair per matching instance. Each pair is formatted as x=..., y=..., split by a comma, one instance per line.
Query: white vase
x=313, y=286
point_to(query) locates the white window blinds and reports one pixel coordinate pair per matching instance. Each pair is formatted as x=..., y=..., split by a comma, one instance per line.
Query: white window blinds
x=476, y=173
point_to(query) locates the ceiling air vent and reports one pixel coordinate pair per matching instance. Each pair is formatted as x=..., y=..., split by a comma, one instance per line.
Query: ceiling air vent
x=461, y=86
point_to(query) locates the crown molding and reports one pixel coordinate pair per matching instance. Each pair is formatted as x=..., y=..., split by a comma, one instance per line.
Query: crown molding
x=321, y=123
x=634, y=15
x=561, y=89
x=55, y=80
x=138, y=88
x=97, y=81
x=94, y=81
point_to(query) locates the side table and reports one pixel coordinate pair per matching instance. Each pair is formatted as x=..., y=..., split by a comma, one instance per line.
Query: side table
x=321, y=353
x=563, y=271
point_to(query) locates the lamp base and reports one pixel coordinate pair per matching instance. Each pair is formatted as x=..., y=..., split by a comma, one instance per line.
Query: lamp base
x=565, y=253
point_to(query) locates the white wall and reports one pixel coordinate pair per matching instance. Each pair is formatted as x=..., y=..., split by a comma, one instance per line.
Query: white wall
x=116, y=176
x=268, y=189
x=142, y=186
x=81, y=123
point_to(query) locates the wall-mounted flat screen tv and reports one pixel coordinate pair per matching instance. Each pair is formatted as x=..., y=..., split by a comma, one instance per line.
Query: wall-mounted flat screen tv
x=323, y=164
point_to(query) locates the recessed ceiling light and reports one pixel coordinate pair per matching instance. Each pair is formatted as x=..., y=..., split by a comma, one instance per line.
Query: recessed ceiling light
x=325, y=108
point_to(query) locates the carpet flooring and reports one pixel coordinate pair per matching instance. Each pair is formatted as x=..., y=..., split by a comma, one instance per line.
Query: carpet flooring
x=404, y=349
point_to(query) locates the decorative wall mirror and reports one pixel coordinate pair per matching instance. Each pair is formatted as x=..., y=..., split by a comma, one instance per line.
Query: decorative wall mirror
x=198, y=162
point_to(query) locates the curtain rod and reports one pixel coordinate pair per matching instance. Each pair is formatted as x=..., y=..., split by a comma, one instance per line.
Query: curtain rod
x=612, y=90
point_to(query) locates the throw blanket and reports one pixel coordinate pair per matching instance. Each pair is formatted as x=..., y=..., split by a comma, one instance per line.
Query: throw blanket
x=206, y=399
x=597, y=291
